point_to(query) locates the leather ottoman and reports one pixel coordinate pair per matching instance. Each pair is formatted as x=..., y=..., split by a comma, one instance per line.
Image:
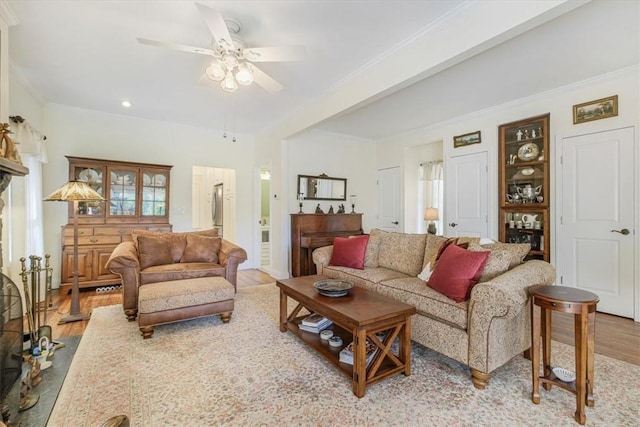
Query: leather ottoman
x=176, y=300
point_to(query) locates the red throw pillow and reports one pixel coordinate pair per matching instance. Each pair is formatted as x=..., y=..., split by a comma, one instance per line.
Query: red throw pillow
x=349, y=251
x=457, y=271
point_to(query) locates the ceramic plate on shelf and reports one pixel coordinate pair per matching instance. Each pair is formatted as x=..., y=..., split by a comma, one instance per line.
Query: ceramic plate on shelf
x=159, y=180
x=89, y=175
x=528, y=152
x=527, y=171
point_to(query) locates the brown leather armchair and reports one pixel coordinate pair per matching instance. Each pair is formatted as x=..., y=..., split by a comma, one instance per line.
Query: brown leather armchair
x=159, y=257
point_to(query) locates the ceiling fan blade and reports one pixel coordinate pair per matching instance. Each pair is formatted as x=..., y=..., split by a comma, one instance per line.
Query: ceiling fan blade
x=215, y=23
x=264, y=80
x=175, y=46
x=275, y=54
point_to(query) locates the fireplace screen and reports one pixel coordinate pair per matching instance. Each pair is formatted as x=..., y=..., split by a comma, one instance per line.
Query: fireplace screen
x=11, y=335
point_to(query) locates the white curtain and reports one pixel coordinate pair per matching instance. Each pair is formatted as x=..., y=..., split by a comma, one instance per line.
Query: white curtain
x=33, y=151
x=431, y=190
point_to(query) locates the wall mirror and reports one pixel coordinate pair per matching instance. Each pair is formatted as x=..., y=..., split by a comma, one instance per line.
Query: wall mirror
x=321, y=187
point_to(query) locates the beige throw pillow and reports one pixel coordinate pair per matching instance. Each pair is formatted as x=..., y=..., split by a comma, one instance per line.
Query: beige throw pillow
x=498, y=262
x=517, y=251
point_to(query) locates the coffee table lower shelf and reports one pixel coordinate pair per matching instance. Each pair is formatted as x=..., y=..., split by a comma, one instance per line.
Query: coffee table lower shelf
x=332, y=354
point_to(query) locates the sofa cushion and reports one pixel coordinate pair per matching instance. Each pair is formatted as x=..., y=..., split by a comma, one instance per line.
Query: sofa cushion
x=427, y=301
x=498, y=262
x=457, y=271
x=373, y=248
x=349, y=251
x=369, y=278
x=201, y=249
x=517, y=251
x=183, y=293
x=402, y=252
x=179, y=271
x=154, y=250
x=432, y=245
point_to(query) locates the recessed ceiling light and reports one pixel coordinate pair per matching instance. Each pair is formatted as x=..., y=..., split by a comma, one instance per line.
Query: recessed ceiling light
x=126, y=104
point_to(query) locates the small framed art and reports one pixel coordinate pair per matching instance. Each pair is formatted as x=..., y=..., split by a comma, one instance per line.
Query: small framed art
x=595, y=110
x=467, y=139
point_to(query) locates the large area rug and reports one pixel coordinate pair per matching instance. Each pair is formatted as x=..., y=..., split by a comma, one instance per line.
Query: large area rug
x=247, y=372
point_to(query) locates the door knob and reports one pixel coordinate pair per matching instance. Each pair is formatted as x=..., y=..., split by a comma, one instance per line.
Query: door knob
x=453, y=224
x=395, y=222
x=624, y=231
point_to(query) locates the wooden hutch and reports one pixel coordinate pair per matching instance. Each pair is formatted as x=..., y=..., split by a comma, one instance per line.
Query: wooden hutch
x=137, y=197
x=311, y=231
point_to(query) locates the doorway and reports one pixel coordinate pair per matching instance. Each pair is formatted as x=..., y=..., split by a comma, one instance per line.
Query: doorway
x=265, y=218
x=389, y=208
x=213, y=200
x=467, y=195
x=596, y=232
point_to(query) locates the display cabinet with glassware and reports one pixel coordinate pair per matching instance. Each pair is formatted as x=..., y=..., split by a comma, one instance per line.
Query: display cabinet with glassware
x=524, y=184
x=136, y=197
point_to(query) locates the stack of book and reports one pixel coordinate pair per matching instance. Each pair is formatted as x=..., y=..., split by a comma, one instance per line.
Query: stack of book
x=346, y=354
x=315, y=323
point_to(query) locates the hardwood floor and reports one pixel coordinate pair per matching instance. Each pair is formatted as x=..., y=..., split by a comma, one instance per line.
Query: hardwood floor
x=616, y=337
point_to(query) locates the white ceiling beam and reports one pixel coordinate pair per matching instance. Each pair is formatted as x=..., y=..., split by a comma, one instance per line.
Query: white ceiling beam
x=472, y=28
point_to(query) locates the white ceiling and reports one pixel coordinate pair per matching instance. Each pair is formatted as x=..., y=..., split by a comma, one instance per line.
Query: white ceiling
x=85, y=54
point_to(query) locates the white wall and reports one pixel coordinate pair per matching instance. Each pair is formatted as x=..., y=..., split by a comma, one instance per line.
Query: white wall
x=314, y=153
x=86, y=133
x=559, y=103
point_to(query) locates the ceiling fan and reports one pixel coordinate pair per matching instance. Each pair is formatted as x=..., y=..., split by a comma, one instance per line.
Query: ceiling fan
x=233, y=63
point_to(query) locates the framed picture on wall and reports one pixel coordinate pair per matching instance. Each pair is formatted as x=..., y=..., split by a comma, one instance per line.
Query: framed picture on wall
x=595, y=110
x=467, y=139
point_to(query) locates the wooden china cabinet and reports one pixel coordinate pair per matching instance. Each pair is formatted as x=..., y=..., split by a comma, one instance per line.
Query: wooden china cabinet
x=524, y=184
x=137, y=197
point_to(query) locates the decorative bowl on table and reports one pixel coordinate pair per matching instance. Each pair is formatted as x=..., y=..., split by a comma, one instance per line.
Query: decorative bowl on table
x=333, y=288
x=564, y=374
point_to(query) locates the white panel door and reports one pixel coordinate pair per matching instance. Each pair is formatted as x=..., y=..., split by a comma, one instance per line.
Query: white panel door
x=389, y=202
x=466, y=195
x=597, y=217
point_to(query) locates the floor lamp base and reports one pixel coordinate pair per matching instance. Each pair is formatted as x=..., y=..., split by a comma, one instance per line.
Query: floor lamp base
x=74, y=318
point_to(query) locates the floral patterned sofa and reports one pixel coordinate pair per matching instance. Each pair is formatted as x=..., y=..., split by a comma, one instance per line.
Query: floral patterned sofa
x=486, y=329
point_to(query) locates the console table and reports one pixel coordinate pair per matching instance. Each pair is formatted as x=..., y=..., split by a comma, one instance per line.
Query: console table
x=311, y=231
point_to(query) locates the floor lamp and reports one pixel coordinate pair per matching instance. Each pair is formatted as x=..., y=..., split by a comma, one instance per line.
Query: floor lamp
x=75, y=191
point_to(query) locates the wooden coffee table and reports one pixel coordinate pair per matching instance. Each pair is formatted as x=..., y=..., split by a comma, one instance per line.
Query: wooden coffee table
x=356, y=317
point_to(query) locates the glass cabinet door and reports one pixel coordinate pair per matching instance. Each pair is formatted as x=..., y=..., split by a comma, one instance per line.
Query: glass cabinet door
x=154, y=193
x=122, y=187
x=94, y=177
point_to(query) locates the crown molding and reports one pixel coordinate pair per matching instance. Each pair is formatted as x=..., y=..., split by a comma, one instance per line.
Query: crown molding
x=8, y=14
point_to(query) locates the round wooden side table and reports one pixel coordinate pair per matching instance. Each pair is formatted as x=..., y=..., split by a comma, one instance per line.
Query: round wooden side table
x=582, y=304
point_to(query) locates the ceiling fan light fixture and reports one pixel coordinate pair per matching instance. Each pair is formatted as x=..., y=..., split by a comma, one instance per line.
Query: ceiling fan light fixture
x=215, y=71
x=229, y=83
x=244, y=76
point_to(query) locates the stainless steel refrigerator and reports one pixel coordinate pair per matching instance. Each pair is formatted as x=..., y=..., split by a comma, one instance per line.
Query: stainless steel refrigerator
x=216, y=207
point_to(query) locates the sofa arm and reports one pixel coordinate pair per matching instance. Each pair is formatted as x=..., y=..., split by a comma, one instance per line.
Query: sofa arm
x=503, y=297
x=125, y=263
x=230, y=256
x=322, y=257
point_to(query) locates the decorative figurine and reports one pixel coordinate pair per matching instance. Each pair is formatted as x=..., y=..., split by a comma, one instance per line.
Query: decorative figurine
x=526, y=134
x=519, y=135
x=533, y=133
x=330, y=209
x=318, y=209
x=341, y=209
